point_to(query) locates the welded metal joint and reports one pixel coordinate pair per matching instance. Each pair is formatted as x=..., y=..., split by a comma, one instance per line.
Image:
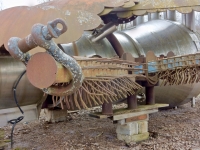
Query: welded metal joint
x=106, y=30
x=42, y=36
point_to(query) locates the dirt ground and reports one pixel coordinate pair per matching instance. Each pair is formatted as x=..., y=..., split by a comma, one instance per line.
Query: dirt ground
x=173, y=129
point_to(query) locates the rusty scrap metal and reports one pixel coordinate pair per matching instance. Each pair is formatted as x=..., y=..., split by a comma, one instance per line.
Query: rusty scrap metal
x=42, y=36
x=96, y=91
x=24, y=17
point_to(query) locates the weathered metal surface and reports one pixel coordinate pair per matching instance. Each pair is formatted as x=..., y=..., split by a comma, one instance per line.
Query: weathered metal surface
x=161, y=36
x=84, y=47
x=107, y=108
x=41, y=70
x=139, y=12
x=184, y=10
x=128, y=4
x=155, y=4
x=86, y=20
x=132, y=102
x=87, y=5
x=150, y=95
x=106, y=11
x=126, y=14
x=42, y=36
x=32, y=15
x=26, y=94
x=196, y=8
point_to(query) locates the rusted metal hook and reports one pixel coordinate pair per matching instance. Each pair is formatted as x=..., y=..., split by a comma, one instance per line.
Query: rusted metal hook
x=42, y=36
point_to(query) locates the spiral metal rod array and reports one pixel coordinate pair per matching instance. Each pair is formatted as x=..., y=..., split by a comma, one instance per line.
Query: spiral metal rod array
x=96, y=91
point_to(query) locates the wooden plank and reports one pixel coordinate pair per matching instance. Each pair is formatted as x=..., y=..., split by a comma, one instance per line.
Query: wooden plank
x=141, y=117
x=133, y=114
x=139, y=108
x=99, y=115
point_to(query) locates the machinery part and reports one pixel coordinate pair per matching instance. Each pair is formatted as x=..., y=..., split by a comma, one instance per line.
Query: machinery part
x=150, y=97
x=84, y=47
x=96, y=91
x=42, y=36
x=27, y=94
x=103, y=32
x=160, y=36
x=107, y=108
x=132, y=101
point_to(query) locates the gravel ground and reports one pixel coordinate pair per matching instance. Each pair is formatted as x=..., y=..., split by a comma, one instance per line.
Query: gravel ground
x=173, y=129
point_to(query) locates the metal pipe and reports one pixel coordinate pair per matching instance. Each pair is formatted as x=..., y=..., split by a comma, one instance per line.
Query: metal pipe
x=150, y=96
x=107, y=108
x=153, y=16
x=139, y=20
x=171, y=15
x=105, y=33
x=190, y=21
x=132, y=102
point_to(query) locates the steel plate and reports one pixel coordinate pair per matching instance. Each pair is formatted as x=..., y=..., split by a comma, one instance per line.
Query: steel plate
x=92, y=6
x=184, y=10
x=152, y=11
x=18, y=21
x=106, y=11
x=126, y=14
x=196, y=8
x=113, y=3
x=128, y=4
x=139, y=12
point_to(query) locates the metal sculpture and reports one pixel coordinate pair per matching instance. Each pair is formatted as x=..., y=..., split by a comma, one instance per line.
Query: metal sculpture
x=84, y=69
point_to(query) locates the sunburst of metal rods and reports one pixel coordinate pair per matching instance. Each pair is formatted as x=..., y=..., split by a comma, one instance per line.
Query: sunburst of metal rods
x=95, y=91
x=186, y=75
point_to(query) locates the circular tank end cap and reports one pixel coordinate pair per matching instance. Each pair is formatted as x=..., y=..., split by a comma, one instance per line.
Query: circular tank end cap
x=41, y=70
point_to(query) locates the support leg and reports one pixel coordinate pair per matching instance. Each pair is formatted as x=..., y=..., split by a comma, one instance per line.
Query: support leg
x=150, y=96
x=132, y=102
x=107, y=108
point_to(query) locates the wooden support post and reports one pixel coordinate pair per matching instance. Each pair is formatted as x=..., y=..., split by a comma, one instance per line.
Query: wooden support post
x=150, y=96
x=132, y=102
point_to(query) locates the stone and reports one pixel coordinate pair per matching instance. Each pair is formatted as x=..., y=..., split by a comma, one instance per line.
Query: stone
x=135, y=137
x=142, y=127
x=128, y=128
x=55, y=115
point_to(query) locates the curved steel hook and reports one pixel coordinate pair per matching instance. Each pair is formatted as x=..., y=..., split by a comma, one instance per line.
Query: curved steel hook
x=42, y=36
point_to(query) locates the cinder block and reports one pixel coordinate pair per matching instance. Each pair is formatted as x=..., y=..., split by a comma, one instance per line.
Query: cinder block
x=128, y=128
x=55, y=115
x=133, y=138
x=142, y=127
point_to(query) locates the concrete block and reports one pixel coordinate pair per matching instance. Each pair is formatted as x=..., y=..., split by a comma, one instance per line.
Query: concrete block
x=128, y=128
x=54, y=115
x=121, y=122
x=142, y=127
x=30, y=114
x=133, y=138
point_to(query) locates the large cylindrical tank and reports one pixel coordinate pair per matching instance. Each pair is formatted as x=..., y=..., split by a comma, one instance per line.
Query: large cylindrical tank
x=160, y=36
x=10, y=71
